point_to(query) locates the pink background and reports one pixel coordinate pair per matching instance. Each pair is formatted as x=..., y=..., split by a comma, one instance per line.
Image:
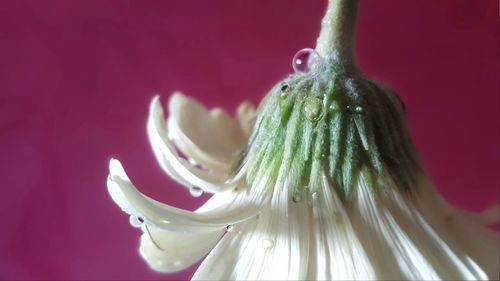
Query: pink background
x=76, y=78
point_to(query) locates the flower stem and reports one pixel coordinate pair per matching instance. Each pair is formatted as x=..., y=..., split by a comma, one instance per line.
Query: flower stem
x=337, y=30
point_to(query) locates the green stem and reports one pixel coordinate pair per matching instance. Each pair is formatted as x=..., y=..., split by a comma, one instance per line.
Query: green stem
x=337, y=30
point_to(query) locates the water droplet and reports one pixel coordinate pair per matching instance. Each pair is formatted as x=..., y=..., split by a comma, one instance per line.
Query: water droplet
x=284, y=87
x=306, y=60
x=229, y=228
x=334, y=106
x=314, y=195
x=296, y=198
x=192, y=161
x=267, y=243
x=195, y=191
x=136, y=221
x=359, y=109
x=312, y=108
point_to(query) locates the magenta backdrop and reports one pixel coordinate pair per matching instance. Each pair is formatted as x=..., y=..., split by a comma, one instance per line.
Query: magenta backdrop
x=76, y=78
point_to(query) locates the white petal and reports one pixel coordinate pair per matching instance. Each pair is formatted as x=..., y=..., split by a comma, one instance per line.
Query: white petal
x=210, y=138
x=166, y=217
x=167, y=251
x=403, y=244
x=274, y=246
x=180, y=169
x=463, y=228
x=336, y=252
x=488, y=216
x=116, y=168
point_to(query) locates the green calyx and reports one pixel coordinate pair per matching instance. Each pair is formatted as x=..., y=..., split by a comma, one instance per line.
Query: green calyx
x=330, y=121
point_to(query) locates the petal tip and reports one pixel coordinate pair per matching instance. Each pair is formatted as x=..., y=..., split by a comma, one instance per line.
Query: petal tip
x=116, y=169
x=155, y=102
x=177, y=100
x=177, y=95
x=115, y=190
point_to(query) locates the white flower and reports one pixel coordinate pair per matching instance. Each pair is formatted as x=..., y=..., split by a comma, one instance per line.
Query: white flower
x=258, y=233
x=325, y=186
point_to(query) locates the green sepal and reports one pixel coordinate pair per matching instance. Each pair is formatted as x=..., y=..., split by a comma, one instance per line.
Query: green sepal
x=335, y=122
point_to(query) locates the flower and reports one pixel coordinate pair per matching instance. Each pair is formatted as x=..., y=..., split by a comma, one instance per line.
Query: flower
x=322, y=182
x=261, y=233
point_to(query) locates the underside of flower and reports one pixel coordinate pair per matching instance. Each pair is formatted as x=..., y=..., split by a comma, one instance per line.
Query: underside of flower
x=322, y=182
x=333, y=121
x=253, y=230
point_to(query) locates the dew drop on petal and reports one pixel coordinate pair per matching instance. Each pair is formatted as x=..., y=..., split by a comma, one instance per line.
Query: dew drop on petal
x=192, y=161
x=229, y=228
x=136, y=221
x=195, y=191
x=267, y=243
x=306, y=60
x=314, y=196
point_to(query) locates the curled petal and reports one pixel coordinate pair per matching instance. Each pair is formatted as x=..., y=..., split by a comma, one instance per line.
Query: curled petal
x=167, y=251
x=211, y=138
x=166, y=217
x=180, y=169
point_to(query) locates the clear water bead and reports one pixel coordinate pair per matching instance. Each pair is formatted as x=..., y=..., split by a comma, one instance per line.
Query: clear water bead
x=192, y=162
x=136, y=221
x=334, y=107
x=312, y=108
x=284, y=87
x=267, y=243
x=195, y=191
x=306, y=60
